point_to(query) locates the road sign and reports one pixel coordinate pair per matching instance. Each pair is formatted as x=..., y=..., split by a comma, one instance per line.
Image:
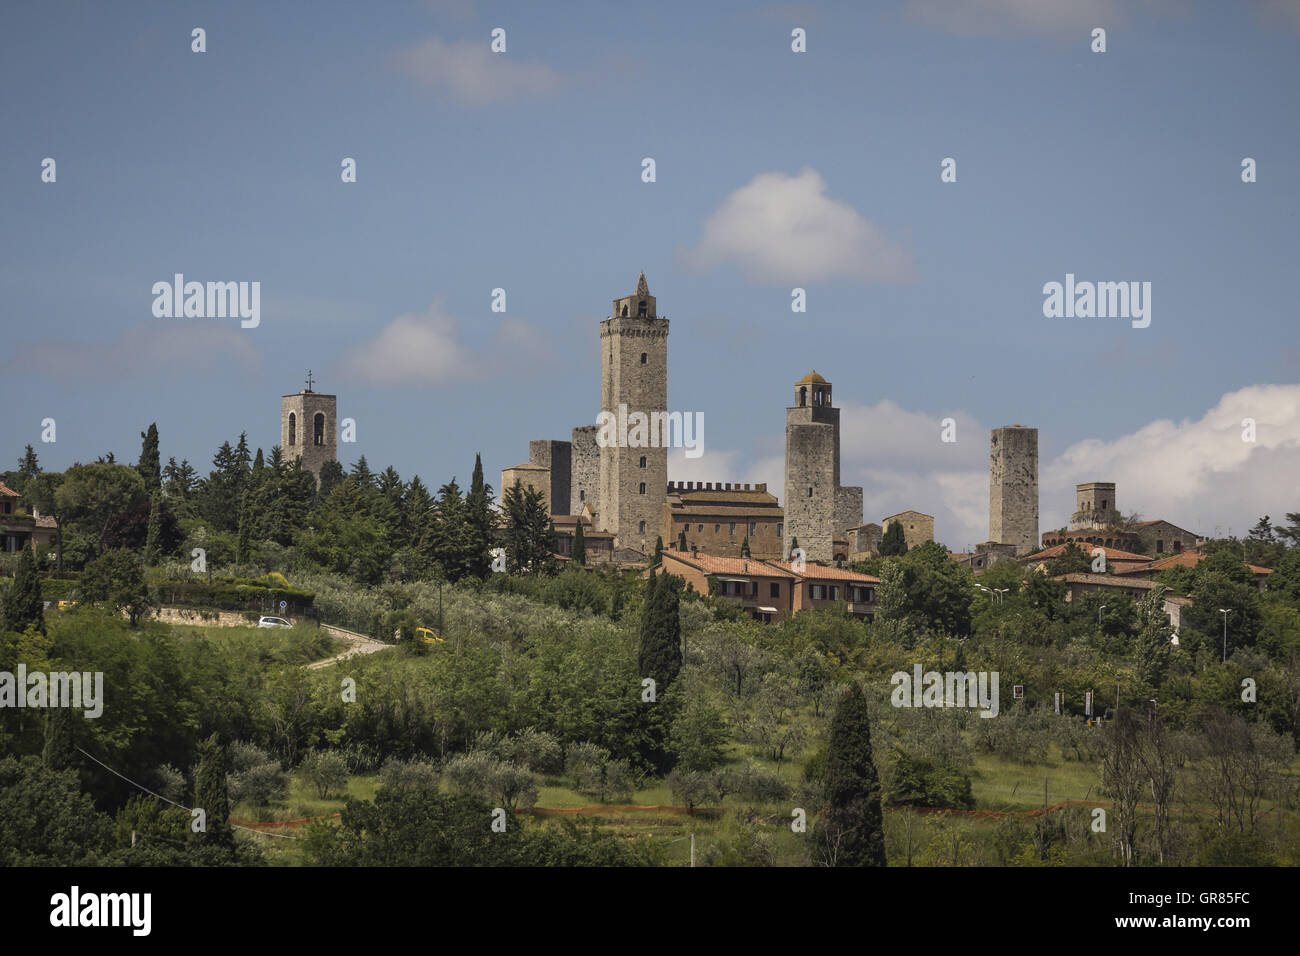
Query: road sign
x=1087, y=703
x=1018, y=691
x=283, y=605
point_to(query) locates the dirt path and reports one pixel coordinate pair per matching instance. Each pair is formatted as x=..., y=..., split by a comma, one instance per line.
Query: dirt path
x=360, y=644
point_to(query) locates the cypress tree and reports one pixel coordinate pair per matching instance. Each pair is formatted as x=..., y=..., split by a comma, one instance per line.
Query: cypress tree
x=244, y=541
x=210, y=794
x=579, y=546
x=150, y=466
x=681, y=541
x=482, y=520
x=151, y=544
x=744, y=547
x=659, y=551
x=59, y=751
x=23, y=604
x=660, y=654
x=851, y=829
x=893, y=543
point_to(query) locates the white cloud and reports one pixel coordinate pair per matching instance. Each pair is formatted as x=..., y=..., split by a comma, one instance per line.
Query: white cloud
x=469, y=72
x=782, y=228
x=166, y=347
x=424, y=348
x=1198, y=474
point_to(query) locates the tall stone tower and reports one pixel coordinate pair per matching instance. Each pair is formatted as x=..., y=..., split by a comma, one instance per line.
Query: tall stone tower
x=1095, y=507
x=308, y=429
x=1013, y=487
x=812, y=469
x=633, y=378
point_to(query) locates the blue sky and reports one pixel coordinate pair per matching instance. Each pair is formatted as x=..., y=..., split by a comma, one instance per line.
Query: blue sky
x=774, y=169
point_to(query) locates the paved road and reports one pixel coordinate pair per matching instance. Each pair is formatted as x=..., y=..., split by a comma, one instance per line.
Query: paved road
x=360, y=644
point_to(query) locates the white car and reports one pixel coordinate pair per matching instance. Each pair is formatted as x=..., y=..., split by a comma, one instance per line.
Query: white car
x=273, y=622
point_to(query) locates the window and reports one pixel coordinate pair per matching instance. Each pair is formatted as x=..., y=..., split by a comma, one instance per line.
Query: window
x=643, y=461
x=643, y=358
x=625, y=311
x=717, y=528
x=775, y=590
x=780, y=529
x=733, y=528
x=643, y=487
x=318, y=429
x=753, y=527
x=1178, y=547
x=643, y=527
x=810, y=491
x=1160, y=546
x=700, y=528
x=640, y=309
x=1103, y=504
x=754, y=590
x=835, y=592
x=582, y=496
x=817, y=592
x=293, y=429
x=803, y=395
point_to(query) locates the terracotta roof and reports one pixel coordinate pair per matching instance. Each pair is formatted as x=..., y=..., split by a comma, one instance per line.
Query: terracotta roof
x=713, y=564
x=1107, y=579
x=725, y=497
x=6, y=490
x=1112, y=554
x=1190, y=559
x=816, y=572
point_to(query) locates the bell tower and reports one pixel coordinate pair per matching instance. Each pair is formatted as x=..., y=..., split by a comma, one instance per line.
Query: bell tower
x=308, y=428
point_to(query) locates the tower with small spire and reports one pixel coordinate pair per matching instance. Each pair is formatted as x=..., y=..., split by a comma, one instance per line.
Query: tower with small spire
x=308, y=428
x=816, y=507
x=633, y=378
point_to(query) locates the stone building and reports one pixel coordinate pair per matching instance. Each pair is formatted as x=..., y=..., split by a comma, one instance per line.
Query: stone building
x=555, y=457
x=918, y=528
x=584, y=474
x=816, y=507
x=1095, y=507
x=864, y=541
x=633, y=378
x=1098, y=521
x=1013, y=487
x=529, y=476
x=718, y=516
x=309, y=429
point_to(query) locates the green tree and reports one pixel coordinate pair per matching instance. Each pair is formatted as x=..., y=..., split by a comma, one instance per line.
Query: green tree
x=92, y=496
x=893, y=542
x=331, y=476
x=150, y=462
x=579, y=546
x=482, y=520
x=744, y=547
x=45, y=818
x=210, y=793
x=681, y=541
x=660, y=655
x=529, y=541
x=850, y=831
x=23, y=605
x=28, y=468
x=115, y=579
x=659, y=551
x=152, y=543
x=59, y=751
x=1152, y=649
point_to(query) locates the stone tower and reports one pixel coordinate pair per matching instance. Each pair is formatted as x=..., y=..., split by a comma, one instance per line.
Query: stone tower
x=812, y=469
x=633, y=379
x=308, y=429
x=1095, y=506
x=1013, y=487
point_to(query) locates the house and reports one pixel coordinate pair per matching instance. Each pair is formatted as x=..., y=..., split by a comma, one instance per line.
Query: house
x=1080, y=583
x=1117, y=561
x=20, y=528
x=760, y=589
x=817, y=585
x=599, y=545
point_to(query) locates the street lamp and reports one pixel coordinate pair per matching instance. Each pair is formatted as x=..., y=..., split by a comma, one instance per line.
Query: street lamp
x=1225, y=612
x=1000, y=592
x=1099, y=610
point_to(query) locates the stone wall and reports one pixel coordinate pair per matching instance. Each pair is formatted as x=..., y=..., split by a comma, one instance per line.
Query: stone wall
x=810, y=485
x=848, y=510
x=556, y=457
x=584, y=469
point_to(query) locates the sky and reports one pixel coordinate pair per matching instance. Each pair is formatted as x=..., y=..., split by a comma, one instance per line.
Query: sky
x=523, y=170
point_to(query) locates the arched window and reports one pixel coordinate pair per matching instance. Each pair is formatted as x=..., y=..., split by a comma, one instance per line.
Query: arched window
x=625, y=311
x=643, y=358
x=640, y=309
x=643, y=527
x=293, y=429
x=318, y=429
x=643, y=487
x=803, y=395
x=643, y=461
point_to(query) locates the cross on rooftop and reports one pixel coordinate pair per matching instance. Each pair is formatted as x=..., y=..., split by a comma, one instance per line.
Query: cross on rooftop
x=309, y=380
